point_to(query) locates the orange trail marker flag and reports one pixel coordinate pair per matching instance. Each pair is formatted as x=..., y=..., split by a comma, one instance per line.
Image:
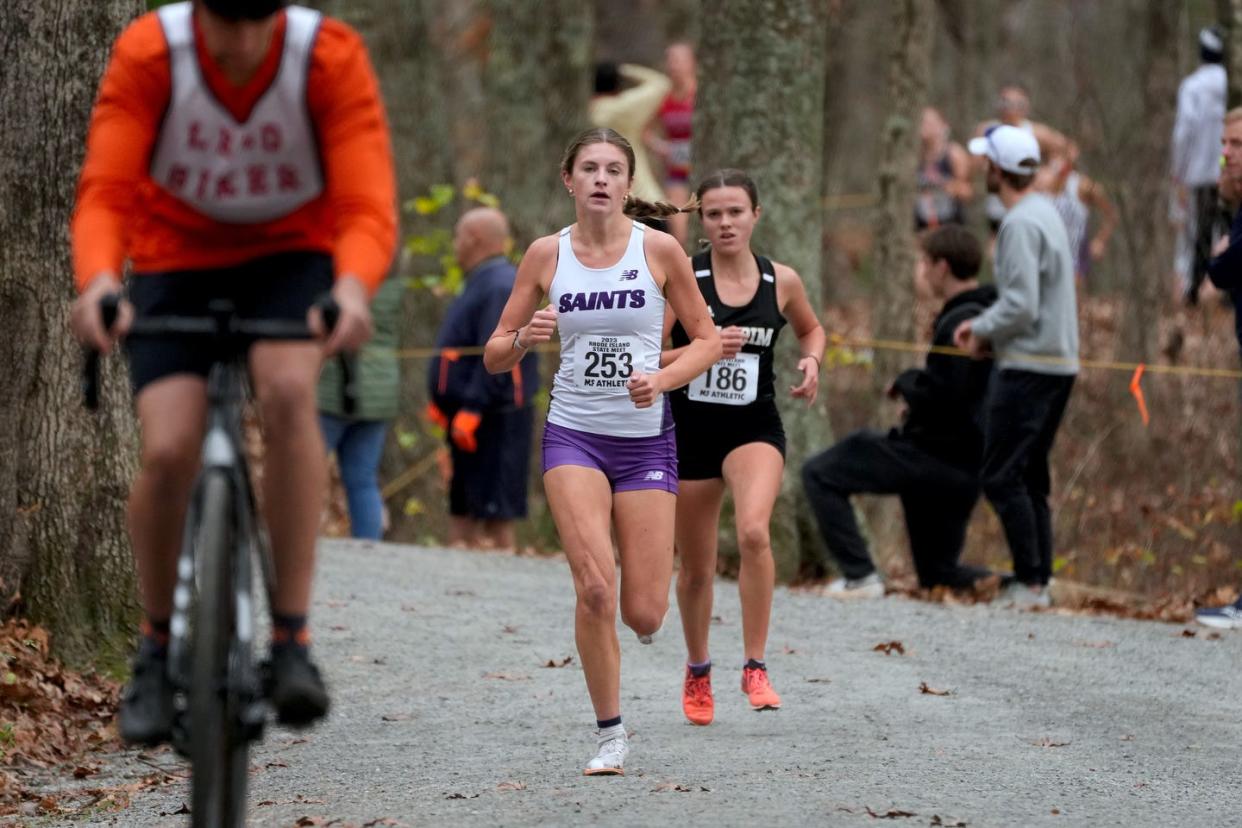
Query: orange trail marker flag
x=1136, y=388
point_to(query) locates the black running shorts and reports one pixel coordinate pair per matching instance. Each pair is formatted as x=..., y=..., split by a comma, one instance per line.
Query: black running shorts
x=707, y=432
x=491, y=483
x=281, y=286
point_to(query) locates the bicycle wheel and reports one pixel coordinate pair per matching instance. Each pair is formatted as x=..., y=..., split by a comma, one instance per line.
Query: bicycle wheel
x=218, y=751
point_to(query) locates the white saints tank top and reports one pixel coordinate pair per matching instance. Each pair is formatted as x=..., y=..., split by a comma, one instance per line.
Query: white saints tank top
x=611, y=323
x=238, y=172
x=1074, y=212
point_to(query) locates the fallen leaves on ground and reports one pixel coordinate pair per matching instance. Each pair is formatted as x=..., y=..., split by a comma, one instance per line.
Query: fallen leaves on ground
x=819, y=681
x=1049, y=742
x=1096, y=645
x=456, y=795
x=946, y=822
x=927, y=690
x=511, y=785
x=891, y=813
x=677, y=787
x=506, y=676
x=1189, y=633
x=553, y=662
x=49, y=717
x=397, y=717
x=890, y=647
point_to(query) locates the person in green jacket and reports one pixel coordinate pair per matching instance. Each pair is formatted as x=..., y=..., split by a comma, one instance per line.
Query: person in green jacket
x=358, y=439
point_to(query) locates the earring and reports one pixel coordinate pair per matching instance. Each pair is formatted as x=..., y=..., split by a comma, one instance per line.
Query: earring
x=571, y=192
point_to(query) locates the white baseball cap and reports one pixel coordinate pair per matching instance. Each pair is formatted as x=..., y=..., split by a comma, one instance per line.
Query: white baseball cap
x=1010, y=148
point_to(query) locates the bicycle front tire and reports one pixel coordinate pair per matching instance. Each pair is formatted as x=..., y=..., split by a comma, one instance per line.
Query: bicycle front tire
x=219, y=752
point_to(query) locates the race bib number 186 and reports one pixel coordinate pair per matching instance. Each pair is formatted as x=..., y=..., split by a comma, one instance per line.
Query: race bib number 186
x=606, y=362
x=731, y=381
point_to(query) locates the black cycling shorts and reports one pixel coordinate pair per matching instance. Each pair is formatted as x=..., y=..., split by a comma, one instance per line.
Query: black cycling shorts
x=281, y=286
x=707, y=432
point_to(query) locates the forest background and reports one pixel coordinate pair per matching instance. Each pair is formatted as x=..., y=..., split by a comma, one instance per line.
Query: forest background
x=819, y=100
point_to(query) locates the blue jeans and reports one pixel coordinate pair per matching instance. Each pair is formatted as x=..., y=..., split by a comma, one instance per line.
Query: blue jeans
x=358, y=445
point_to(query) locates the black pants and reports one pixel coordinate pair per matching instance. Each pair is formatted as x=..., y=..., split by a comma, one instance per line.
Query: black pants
x=1024, y=410
x=1203, y=202
x=936, y=496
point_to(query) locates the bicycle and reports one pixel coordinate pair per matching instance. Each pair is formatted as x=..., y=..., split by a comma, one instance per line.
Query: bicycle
x=219, y=702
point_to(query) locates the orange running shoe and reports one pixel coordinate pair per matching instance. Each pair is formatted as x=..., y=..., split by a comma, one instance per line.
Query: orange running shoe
x=757, y=688
x=696, y=698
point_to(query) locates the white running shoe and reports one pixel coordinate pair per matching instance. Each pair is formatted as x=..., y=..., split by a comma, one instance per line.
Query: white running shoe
x=871, y=586
x=1021, y=596
x=610, y=758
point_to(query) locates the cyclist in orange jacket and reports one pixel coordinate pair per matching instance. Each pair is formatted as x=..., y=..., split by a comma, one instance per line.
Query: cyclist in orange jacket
x=238, y=150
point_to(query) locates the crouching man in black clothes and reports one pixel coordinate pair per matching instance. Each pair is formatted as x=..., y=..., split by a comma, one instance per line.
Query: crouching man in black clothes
x=932, y=461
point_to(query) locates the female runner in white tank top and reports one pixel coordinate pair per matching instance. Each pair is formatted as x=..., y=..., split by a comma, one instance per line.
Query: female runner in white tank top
x=609, y=455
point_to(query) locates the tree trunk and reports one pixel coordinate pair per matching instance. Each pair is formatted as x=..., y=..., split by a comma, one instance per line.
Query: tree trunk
x=1229, y=13
x=1148, y=243
x=908, y=73
x=536, y=85
x=64, y=473
x=760, y=108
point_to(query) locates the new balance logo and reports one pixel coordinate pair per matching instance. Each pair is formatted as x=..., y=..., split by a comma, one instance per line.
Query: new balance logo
x=628, y=275
x=654, y=475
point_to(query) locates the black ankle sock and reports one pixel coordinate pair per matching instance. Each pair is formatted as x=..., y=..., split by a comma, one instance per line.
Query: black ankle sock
x=604, y=724
x=756, y=664
x=289, y=631
x=699, y=670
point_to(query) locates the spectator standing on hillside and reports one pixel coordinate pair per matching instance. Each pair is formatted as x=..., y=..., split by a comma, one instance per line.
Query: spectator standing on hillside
x=1033, y=332
x=1196, y=155
x=488, y=419
x=669, y=135
x=357, y=439
x=944, y=185
x=1225, y=272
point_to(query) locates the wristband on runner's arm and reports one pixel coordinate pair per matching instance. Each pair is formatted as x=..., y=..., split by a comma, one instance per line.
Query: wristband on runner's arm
x=818, y=364
x=517, y=340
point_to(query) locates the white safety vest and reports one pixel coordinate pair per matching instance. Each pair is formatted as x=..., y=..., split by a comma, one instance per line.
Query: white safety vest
x=238, y=172
x=611, y=324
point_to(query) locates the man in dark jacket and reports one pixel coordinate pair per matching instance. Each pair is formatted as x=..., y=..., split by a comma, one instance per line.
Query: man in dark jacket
x=932, y=461
x=488, y=419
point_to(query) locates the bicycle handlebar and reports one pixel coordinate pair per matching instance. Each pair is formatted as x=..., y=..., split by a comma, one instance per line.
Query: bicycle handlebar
x=224, y=326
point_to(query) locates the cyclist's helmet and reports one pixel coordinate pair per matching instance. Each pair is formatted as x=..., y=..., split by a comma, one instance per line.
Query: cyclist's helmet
x=244, y=9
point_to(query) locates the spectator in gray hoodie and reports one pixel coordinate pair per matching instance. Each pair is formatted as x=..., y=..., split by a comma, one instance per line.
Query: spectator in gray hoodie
x=1032, y=330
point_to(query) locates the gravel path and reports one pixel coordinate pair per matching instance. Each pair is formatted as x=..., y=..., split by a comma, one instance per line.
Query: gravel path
x=445, y=713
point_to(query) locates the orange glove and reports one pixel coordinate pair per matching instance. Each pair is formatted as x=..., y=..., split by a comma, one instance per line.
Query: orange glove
x=435, y=416
x=465, y=425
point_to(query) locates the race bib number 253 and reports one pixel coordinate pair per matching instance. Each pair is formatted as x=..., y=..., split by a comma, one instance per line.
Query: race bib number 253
x=606, y=362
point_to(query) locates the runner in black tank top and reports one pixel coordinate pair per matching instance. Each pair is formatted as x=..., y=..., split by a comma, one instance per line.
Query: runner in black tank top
x=734, y=403
x=729, y=432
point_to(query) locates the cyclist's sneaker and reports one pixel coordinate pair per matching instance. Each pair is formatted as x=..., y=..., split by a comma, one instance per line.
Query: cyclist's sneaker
x=146, y=713
x=696, y=698
x=869, y=586
x=758, y=689
x=1222, y=618
x=295, y=687
x=610, y=757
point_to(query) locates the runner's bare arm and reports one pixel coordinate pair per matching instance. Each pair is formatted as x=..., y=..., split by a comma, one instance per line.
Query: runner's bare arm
x=687, y=303
x=1094, y=196
x=796, y=307
x=521, y=326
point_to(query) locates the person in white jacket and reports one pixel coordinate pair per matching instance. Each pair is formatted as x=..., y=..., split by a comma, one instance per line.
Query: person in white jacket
x=1196, y=160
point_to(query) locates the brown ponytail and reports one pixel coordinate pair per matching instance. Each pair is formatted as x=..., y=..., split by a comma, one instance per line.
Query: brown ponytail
x=640, y=209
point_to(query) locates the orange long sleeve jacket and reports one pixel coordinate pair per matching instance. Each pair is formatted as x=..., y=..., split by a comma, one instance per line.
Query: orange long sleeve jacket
x=122, y=214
